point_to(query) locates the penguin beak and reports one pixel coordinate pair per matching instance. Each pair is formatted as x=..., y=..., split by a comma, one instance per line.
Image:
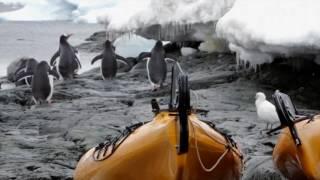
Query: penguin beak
x=68, y=35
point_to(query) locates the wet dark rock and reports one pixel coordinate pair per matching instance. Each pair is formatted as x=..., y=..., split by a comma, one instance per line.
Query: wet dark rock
x=97, y=36
x=94, y=43
x=261, y=168
x=299, y=77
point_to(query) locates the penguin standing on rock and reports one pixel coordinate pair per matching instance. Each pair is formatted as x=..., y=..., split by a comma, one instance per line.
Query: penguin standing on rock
x=42, y=82
x=156, y=64
x=69, y=63
x=109, y=61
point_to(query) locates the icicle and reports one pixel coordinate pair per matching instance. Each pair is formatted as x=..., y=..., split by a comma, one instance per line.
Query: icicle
x=238, y=61
x=159, y=33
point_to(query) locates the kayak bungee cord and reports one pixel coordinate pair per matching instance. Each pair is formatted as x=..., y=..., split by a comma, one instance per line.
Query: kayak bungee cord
x=198, y=153
x=230, y=146
x=180, y=69
x=114, y=143
x=178, y=64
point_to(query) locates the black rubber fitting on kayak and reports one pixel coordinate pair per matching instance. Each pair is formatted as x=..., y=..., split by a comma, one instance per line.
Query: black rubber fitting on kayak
x=173, y=92
x=183, y=109
x=287, y=113
x=155, y=106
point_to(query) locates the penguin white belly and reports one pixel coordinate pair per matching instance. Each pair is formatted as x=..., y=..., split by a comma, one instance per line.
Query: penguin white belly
x=51, y=88
x=148, y=72
x=77, y=59
x=58, y=70
x=101, y=71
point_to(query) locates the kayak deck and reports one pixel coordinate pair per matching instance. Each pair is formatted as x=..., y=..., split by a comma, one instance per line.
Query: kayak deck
x=302, y=161
x=150, y=152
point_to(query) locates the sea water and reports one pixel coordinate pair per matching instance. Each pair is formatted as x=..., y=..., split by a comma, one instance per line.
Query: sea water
x=40, y=40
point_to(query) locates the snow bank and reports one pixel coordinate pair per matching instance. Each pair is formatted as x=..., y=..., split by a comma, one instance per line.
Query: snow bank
x=181, y=19
x=259, y=30
x=129, y=15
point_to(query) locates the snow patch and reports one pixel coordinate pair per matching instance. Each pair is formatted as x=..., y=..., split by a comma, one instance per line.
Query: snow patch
x=186, y=51
x=214, y=45
x=144, y=13
x=259, y=30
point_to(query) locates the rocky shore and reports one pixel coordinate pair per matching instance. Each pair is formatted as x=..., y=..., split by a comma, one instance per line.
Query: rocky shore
x=45, y=142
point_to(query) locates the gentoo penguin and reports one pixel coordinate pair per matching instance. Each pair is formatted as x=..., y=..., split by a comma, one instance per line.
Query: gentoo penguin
x=69, y=63
x=42, y=82
x=156, y=64
x=109, y=61
x=27, y=66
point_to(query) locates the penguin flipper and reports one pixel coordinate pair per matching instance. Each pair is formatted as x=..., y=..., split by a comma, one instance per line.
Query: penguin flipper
x=21, y=70
x=54, y=57
x=100, y=56
x=124, y=60
x=78, y=61
x=128, y=62
x=144, y=55
x=54, y=73
x=171, y=57
x=23, y=76
x=77, y=58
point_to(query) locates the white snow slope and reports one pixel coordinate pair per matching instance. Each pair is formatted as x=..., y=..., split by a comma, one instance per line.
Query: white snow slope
x=259, y=30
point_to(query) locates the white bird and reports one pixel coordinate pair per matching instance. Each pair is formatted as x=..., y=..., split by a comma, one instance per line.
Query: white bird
x=266, y=111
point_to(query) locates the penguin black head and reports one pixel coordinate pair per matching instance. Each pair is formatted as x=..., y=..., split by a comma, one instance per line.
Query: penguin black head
x=159, y=44
x=43, y=65
x=64, y=37
x=109, y=45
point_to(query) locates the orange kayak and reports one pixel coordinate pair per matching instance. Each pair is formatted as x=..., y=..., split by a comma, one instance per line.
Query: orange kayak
x=297, y=152
x=303, y=161
x=150, y=152
x=175, y=145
